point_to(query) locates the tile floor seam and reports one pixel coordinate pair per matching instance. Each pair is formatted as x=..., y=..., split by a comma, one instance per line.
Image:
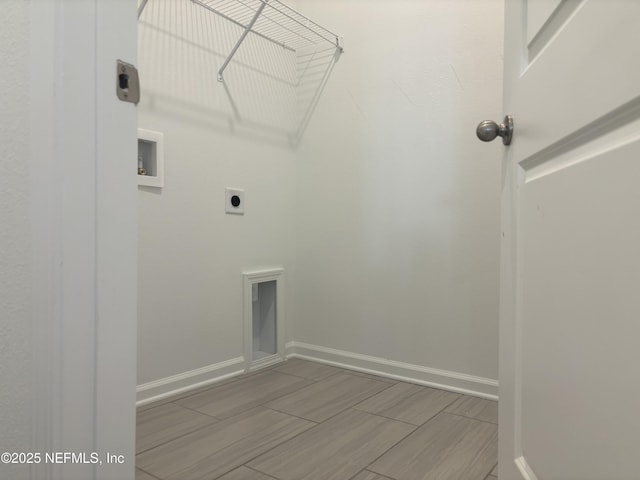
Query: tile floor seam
x=275, y=446
x=195, y=391
x=414, y=428
x=258, y=471
x=379, y=474
x=489, y=476
x=175, y=438
x=389, y=449
x=343, y=410
x=444, y=408
x=221, y=383
x=233, y=469
x=389, y=418
x=273, y=399
x=211, y=424
x=442, y=412
x=262, y=453
x=460, y=395
x=150, y=474
x=290, y=414
x=357, y=473
x=357, y=373
x=197, y=411
x=471, y=418
x=314, y=380
x=443, y=457
x=317, y=424
x=462, y=439
x=297, y=376
x=149, y=406
x=261, y=404
x=369, y=471
x=434, y=415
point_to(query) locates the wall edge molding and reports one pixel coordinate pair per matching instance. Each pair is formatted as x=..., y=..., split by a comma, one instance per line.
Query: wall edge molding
x=183, y=382
x=406, y=372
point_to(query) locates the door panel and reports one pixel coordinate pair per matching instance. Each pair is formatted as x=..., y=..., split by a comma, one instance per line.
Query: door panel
x=540, y=13
x=579, y=352
x=571, y=226
x=580, y=75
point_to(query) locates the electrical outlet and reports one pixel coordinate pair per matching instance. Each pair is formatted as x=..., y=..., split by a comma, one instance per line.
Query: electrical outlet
x=234, y=201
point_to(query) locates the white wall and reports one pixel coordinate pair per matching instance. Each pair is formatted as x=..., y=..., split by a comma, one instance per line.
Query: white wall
x=192, y=254
x=386, y=217
x=398, y=202
x=15, y=236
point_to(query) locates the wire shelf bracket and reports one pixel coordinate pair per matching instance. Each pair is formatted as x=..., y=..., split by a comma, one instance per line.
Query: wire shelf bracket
x=271, y=20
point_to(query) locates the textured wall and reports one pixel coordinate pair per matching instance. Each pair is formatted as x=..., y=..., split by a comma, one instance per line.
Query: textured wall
x=398, y=224
x=15, y=252
x=192, y=254
x=388, y=209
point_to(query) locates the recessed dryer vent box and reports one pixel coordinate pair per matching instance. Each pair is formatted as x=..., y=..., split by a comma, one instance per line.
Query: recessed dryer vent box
x=263, y=318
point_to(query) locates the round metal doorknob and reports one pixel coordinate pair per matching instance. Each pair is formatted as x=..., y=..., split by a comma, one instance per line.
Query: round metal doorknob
x=489, y=130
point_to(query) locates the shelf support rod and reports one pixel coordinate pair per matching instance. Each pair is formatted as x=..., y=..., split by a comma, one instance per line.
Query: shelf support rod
x=247, y=29
x=235, y=22
x=141, y=7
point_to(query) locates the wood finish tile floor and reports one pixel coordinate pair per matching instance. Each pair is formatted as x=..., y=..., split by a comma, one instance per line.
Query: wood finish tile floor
x=302, y=420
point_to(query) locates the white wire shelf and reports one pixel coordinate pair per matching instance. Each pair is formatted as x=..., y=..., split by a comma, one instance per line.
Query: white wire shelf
x=271, y=20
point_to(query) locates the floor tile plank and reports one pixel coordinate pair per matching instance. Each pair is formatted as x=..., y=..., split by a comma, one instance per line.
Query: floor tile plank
x=307, y=369
x=334, y=450
x=160, y=424
x=448, y=447
x=478, y=408
x=408, y=403
x=242, y=395
x=328, y=397
x=373, y=428
x=221, y=447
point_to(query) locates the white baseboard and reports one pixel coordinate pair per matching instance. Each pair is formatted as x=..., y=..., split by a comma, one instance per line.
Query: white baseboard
x=183, y=382
x=266, y=362
x=406, y=372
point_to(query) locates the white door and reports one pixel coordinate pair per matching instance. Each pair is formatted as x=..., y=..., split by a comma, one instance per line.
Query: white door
x=570, y=308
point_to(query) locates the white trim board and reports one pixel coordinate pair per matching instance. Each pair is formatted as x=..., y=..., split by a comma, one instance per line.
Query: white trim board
x=251, y=278
x=201, y=377
x=265, y=362
x=183, y=382
x=406, y=372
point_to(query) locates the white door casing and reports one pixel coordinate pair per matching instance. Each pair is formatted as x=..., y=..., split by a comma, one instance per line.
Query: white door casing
x=84, y=222
x=570, y=269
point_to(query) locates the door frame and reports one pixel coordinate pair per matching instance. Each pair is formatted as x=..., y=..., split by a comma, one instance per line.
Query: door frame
x=84, y=236
x=508, y=280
